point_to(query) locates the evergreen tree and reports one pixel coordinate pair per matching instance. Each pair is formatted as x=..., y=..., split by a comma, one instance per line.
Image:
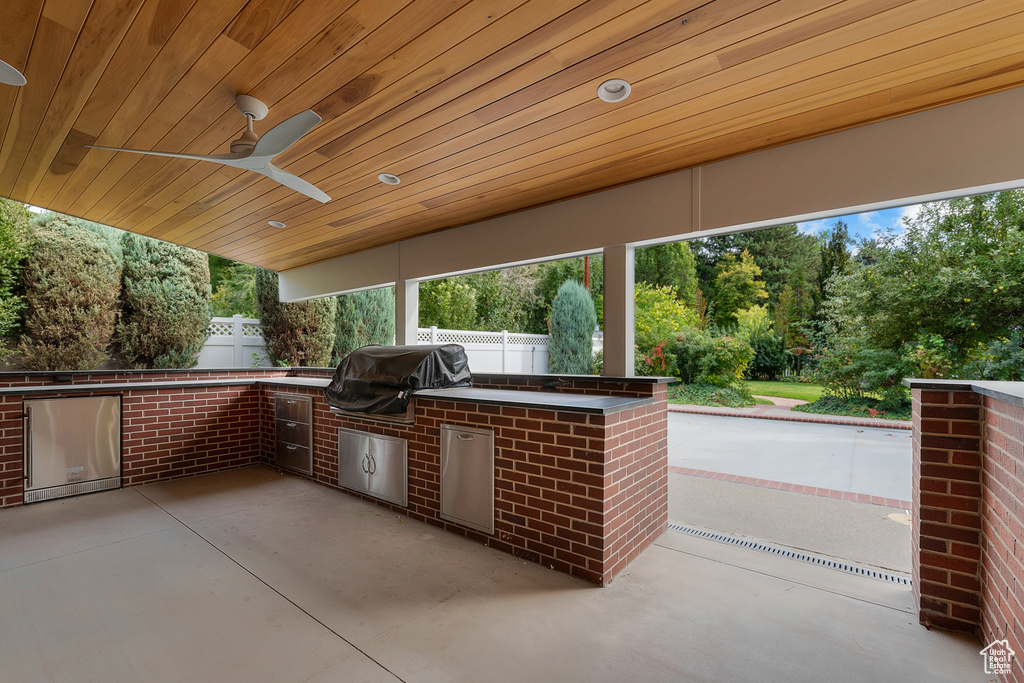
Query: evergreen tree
x=299, y=333
x=835, y=256
x=166, y=303
x=552, y=275
x=573, y=321
x=14, y=241
x=363, y=318
x=737, y=286
x=668, y=265
x=72, y=292
x=235, y=291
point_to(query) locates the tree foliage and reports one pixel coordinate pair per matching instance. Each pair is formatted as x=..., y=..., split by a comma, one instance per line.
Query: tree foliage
x=166, y=303
x=14, y=246
x=363, y=318
x=658, y=315
x=668, y=265
x=296, y=333
x=956, y=271
x=573, y=320
x=449, y=304
x=715, y=360
x=72, y=295
x=551, y=276
x=234, y=290
x=737, y=286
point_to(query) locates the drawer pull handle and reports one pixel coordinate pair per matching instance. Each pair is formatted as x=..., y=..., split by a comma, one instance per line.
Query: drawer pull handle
x=291, y=448
x=464, y=437
x=289, y=424
x=290, y=402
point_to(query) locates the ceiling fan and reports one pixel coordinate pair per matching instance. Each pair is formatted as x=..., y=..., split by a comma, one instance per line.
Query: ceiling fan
x=252, y=152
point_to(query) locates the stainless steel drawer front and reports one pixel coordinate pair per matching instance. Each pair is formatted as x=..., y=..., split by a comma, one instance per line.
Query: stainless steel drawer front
x=293, y=432
x=292, y=408
x=467, y=477
x=293, y=457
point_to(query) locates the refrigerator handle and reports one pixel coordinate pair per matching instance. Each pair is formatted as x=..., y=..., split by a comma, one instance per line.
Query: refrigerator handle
x=27, y=418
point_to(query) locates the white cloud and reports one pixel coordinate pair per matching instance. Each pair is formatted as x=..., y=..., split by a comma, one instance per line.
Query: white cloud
x=814, y=227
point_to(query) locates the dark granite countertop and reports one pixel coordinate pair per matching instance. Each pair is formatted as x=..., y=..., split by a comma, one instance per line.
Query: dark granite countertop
x=1010, y=392
x=584, y=403
x=587, y=403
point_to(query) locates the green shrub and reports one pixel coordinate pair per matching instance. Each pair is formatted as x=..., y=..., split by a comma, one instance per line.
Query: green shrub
x=713, y=360
x=363, y=318
x=659, y=315
x=296, y=334
x=14, y=246
x=449, y=304
x=1001, y=360
x=754, y=325
x=655, y=362
x=573, y=320
x=71, y=290
x=849, y=368
x=166, y=309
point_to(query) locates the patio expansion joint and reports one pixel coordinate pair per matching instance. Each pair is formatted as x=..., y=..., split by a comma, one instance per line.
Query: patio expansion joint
x=274, y=590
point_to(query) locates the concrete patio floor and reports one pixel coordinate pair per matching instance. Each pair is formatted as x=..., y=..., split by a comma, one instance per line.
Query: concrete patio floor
x=252, y=575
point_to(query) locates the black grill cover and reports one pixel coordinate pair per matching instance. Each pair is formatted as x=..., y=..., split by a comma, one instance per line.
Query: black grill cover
x=380, y=380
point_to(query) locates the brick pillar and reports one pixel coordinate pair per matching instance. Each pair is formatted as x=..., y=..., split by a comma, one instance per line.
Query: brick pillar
x=948, y=451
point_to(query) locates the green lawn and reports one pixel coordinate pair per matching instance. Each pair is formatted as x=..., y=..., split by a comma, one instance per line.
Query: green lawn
x=798, y=390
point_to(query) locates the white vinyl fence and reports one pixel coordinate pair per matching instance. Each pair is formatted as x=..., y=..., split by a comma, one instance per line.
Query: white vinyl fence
x=234, y=342
x=237, y=342
x=495, y=351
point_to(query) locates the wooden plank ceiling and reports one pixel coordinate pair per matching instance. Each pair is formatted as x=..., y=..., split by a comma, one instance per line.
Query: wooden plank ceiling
x=482, y=107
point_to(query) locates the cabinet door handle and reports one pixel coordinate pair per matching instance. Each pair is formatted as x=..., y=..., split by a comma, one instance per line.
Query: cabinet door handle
x=363, y=464
x=464, y=437
x=27, y=474
x=373, y=464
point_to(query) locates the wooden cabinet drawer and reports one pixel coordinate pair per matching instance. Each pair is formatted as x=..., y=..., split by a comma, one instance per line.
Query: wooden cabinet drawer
x=293, y=408
x=296, y=433
x=294, y=457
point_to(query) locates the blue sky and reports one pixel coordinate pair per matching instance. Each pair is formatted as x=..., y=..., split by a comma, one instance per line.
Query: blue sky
x=863, y=224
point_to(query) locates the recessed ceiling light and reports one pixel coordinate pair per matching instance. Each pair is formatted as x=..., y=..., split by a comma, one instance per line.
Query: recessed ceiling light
x=10, y=75
x=276, y=224
x=388, y=178
x=614, y=90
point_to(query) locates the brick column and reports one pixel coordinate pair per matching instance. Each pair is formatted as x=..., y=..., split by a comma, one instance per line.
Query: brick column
x=948, y=452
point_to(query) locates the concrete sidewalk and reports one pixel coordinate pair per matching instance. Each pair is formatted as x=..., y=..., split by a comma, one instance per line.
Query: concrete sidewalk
x=781, y=412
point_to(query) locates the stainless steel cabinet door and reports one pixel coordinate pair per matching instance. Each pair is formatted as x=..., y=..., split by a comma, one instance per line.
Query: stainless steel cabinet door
x=388, y=470
x=377, y=465
x=353, y=449
x=467, y=477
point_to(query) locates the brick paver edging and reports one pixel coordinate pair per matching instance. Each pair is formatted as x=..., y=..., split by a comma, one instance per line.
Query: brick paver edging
x=795, y=488
x=794, y=417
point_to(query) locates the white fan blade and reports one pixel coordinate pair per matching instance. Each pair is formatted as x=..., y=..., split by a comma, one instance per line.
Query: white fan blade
x=219, y=158
x=296, y=183
x=285, y=134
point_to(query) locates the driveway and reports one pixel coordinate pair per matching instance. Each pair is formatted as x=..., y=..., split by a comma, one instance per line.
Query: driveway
x=864, y=460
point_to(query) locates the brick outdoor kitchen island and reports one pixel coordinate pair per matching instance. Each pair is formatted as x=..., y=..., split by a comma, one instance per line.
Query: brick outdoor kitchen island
x=580, y=463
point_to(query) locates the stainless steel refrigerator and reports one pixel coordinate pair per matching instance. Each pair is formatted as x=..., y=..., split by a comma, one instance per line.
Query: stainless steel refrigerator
x=72, y=446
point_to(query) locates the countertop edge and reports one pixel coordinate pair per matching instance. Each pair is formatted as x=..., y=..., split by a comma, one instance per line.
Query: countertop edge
x=535, y=399
x=1008, y=392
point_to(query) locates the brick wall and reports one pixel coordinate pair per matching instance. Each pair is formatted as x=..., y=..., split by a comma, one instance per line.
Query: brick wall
x=172, y=433
x=1002, y=559
x=11, y=461
x=166, y=434
x=947, y=498
x=47, y=379
x=581, y=493
x=969, y=521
